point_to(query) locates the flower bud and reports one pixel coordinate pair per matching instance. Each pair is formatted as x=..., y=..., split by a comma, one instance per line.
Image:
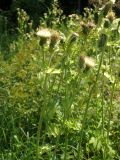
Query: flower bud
x=107, y=8
x=73, y=37
x=102, y=40
x=106, y=23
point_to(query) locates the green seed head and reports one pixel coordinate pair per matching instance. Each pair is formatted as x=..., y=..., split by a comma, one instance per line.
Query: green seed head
x=102, y=40
x=107, y=8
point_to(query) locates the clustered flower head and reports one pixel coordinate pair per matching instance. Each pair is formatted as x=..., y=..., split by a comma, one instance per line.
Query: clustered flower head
x=55, y=37
x=86, y=27
x=48, y=34
x=45, y=33
x=111, y=16
x=86, y=62
x=73, y=17
x=91, y=25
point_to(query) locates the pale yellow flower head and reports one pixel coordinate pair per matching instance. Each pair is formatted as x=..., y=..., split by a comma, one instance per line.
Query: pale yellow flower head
x=44, y=33
x=87, y=62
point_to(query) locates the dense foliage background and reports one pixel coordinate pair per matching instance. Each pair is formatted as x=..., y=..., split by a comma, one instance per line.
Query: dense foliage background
x=36, y=9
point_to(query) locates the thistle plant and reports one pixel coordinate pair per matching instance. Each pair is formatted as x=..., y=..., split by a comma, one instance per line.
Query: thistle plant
x=59, y=89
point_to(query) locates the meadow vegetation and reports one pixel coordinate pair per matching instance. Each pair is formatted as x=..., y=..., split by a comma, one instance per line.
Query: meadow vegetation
x=60, y=87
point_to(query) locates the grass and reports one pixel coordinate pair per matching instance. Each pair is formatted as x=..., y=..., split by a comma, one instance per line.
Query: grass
x=52, y=105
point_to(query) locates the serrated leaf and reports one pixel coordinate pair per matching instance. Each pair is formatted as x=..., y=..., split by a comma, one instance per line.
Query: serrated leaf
x=110, y=77
x=53, y=71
